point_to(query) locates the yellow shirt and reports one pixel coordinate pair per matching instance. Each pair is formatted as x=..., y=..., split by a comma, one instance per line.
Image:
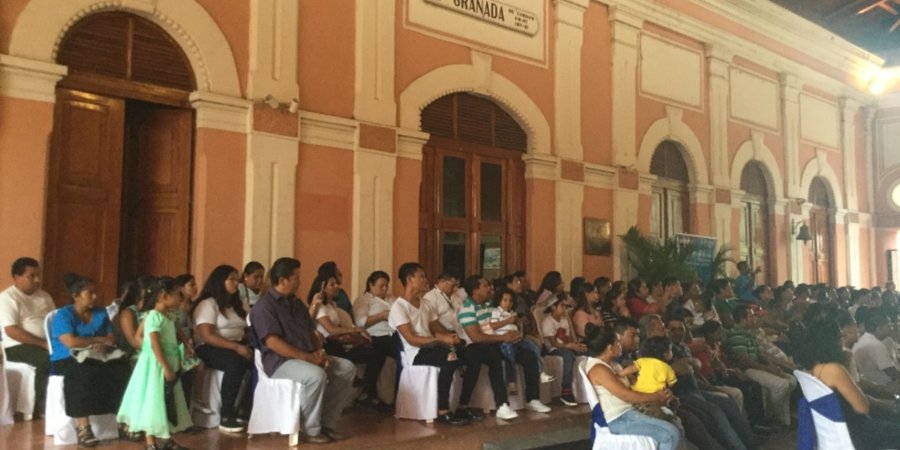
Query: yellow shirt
x=654, y=375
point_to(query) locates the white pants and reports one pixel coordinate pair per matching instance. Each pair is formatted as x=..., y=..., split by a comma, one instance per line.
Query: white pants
x=776, y=393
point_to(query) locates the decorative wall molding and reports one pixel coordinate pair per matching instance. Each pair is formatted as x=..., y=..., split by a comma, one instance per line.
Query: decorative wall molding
x=271, y=177
x=600, y=176
x=28, y=79
x=756, y=150
x=468, y=78
x=221, y=112
x=672, y=127
x=819, y=167
x=273, y=50
x=374, y=70
x=42, y=25
x=626, y=34
x=567, y=78
x=328, y=131
x=410, y=142
x=540, y=166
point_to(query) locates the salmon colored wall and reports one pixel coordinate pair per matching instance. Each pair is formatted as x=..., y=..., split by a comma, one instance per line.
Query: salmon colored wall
x=407, y=184
x=643, y=220
x=324, y=210
x=25, y=128
x=700, y=214
x=840, y=255
x=217, y=227
x=596, y=87
x=598, y=204
x=885, y=239
x=232, y=17
x=9, y=13
x=540, y=217
x=866, y=271
x=326, y=33
x=735, y=243
x=738, y=133
x=836, y=161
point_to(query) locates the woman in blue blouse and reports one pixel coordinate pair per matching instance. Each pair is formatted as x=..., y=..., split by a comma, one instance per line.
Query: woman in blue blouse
x=91, y=385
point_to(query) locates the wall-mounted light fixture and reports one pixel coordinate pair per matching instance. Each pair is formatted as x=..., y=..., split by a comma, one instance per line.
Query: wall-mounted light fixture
x=273, y=103
x=803, y=234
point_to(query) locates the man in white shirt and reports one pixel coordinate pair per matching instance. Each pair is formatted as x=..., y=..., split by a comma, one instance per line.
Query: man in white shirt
x=872, y=357
x=442, y=300
x=23, y=308
x=424, y=340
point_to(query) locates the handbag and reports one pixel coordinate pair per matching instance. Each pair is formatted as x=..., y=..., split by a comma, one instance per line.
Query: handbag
x=350, y=340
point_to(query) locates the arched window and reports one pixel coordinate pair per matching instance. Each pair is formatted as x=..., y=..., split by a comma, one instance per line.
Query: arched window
x=669, y=205
x=472, y=195
x=821, y=226
x=754, y=233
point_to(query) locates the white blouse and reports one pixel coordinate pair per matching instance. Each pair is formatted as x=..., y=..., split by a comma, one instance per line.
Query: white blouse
x=613, y=407
x=369, y=305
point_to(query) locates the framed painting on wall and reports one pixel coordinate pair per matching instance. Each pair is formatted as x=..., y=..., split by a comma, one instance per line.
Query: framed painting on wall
x=597, y=237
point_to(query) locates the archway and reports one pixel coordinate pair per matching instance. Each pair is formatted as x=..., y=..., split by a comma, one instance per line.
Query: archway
x=821, y=227
x=756, y=219
x=119, y=182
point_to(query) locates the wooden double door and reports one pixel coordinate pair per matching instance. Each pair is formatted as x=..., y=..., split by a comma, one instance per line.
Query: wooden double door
x=472, y=209
x=119, y=191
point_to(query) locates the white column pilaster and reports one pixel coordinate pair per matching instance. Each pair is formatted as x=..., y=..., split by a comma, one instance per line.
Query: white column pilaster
x=849, y=108
x=626, y=33
x=569, y=228
x=374, y=72
x=790, y=116
x=271, y=179
x=28, y=79
x=567, y=78
x=718, y=62
x=373, y=214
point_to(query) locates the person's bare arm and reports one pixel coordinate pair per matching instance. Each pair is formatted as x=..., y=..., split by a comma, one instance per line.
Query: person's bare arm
x=209, y=334
x=437, y=328
x=406, y=330
x=836, y=376
x=156, y=345
x=478, y=336
x=128, y=326
x=332, y=329
x=18, y=333
x=601, y=375
x=71, y=340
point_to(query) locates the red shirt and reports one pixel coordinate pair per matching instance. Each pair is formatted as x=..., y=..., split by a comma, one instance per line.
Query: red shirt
x=638, y=307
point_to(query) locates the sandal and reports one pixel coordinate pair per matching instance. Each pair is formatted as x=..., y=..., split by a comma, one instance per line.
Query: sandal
x=86, y=436
x=133, y=436
x=170, y=444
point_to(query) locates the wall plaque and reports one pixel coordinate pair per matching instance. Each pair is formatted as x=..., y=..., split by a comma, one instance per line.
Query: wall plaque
x=494, y=12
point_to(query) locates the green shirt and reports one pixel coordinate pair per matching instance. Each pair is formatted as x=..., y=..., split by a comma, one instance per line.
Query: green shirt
x=471, y=313
x=741, y=341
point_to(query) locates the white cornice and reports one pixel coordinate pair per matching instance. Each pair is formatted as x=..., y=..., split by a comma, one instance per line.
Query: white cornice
x=327, y=131
x=28, y=79
x=221, y=112
x=598, y=175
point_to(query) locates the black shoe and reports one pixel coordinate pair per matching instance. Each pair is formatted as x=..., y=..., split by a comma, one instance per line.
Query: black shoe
x=452, y=419
x=170, y=444
x=473, y=414
x=230, y=425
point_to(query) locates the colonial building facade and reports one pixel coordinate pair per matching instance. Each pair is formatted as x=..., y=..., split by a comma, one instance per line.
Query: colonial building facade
x=163, y=136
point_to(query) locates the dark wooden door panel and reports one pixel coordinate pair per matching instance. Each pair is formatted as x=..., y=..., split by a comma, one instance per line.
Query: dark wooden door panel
x=84, y=192
x=156, y=217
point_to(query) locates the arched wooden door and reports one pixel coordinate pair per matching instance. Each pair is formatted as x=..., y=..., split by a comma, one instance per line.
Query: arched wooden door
x=118, y=199
x=755, y=221
x=473, y=188
x=669, y=206
x=821, y=226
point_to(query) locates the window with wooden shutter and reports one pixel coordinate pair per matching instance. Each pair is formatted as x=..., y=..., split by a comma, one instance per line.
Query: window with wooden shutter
x=669, y=208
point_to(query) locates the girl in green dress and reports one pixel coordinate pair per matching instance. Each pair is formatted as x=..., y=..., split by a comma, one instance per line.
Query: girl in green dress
x=144, y=407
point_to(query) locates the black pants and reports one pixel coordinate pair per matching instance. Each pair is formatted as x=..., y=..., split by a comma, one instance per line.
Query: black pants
x=530, y=368
x=372, y=356
x=474, y=356
x=437, y=357
x=753, y=398
x=92, y=387
x=236, y=369
x=38, y=358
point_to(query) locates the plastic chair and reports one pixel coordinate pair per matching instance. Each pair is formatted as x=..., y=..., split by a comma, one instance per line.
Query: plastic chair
x=276, y=405
x=6, y=408
x=18, y=393
x=56, y=422
x=206, y=397
x=821, y=423
x=601, y=436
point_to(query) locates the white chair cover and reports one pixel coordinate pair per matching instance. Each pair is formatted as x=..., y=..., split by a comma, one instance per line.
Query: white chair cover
x=19, y=394
x=417, y=391
x=56, y=422
x=276, y=405
x=831, y=433
x=206, y=401
x=6, y=407
x=603, y=437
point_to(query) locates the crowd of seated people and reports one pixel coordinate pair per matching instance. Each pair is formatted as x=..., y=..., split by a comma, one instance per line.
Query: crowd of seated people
x=685, y=363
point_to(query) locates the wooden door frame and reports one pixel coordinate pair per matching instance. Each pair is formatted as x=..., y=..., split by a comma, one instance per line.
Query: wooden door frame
x=511, y=226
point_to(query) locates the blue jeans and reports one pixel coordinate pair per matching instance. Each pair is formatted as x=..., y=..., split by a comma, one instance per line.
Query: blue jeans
x=568, y=357
x=509, y=354
x=667, y=435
